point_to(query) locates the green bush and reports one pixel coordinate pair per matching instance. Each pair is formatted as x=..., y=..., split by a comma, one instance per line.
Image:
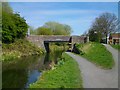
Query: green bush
x=13, y=26
x=79, y=48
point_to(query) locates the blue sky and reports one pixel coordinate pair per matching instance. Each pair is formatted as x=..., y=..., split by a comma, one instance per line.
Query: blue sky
x=79, y=15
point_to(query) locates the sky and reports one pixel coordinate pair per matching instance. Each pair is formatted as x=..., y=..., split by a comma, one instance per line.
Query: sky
x=61, y=0
x=79, y=15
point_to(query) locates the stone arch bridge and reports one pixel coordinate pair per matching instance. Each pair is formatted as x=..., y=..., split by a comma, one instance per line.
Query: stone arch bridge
x=44, y=40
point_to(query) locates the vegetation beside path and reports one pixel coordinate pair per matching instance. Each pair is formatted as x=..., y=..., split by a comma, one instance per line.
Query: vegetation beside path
x=97, y=53
x=20, y=48
x=66, y=74
x=116, y=47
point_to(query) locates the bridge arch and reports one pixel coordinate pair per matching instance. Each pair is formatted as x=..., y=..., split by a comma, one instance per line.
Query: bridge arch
x=44, y=40
x=46, y=44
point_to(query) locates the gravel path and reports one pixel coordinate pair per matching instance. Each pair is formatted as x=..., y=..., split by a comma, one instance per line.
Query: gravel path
x=95, y=77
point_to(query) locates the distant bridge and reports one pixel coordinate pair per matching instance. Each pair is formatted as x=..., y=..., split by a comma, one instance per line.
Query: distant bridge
x=44, y=40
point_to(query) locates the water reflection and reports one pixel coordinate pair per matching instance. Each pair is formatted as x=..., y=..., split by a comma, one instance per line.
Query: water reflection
x=33, y=76
x=20, y=73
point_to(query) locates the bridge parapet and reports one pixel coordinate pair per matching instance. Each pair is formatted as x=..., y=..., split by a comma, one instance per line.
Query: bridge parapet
x=56, y=38
x=40, y=39
x=79, y=39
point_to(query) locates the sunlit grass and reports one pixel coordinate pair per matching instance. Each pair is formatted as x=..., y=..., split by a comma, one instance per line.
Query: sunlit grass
x=98, y=54
x=66, y=75
x=18, y=49
x=116, y=47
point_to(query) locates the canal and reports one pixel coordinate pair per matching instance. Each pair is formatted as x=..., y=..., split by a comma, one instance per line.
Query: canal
x=22, y=72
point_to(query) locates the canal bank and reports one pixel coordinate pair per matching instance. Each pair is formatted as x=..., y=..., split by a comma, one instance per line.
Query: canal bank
x=25, y=70
x=20, y=48
x=29, y=69
x=65, y=74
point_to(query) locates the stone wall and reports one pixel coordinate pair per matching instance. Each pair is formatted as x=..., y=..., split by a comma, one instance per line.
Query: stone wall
x=78, y=39
x=39, y=39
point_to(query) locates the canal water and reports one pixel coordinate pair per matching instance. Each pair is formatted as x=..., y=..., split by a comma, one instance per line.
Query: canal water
x=22, y=72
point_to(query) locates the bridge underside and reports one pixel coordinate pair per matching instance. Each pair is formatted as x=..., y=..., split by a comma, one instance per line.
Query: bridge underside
x=46, y=44
x=43, y=40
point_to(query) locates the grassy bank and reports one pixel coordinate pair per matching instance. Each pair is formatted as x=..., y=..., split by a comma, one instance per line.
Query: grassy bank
x=19, y=49
x=98, y=54
x=66, y=74
x=116, y=47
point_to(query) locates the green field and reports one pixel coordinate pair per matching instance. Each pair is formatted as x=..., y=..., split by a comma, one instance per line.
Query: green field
x=65, y=75
x=98, y=54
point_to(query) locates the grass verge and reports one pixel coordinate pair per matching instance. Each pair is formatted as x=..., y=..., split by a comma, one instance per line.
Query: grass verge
x=98, y=54
x=65, y=75
x=116, y=47
x=18, y=49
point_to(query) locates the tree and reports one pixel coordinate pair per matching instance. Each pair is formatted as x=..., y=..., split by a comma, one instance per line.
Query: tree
x=21, y=25
x=105, y=24
x=13, y=25
x=93, y=36
x=58, y=29
x=8, y=28
x=44, y=31
x=68, y=29
x=85, y=33
x=32, y=30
